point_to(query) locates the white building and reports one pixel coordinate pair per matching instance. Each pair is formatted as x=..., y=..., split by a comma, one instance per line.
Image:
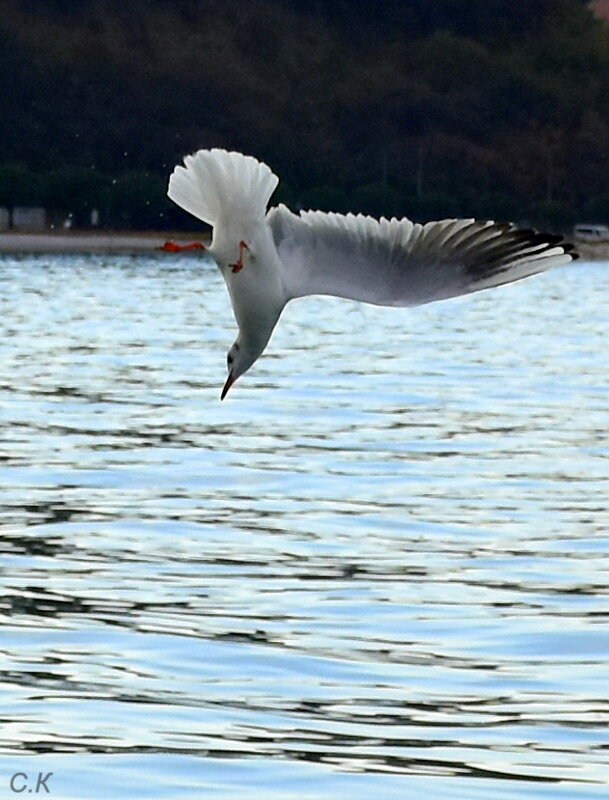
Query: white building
x=28, y=218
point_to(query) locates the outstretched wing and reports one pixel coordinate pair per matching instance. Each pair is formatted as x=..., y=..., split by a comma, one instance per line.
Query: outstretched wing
x=401, y=263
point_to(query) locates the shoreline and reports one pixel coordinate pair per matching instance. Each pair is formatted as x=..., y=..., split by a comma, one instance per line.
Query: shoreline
x=149, y=242
x=90, y=242
x=593, y=252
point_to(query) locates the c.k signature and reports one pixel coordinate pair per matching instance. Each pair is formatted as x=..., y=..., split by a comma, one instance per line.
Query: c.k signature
x=21, y=782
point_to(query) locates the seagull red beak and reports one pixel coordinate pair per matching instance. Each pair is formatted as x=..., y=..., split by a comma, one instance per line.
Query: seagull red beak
x=229, y=382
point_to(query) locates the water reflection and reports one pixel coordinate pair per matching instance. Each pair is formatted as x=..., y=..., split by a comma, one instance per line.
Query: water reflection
x=387, y=560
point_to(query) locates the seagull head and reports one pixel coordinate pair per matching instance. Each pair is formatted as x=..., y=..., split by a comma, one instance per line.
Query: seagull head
x=239, y=359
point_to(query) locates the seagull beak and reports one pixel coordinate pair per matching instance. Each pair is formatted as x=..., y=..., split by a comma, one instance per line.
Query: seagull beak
x=229, y=382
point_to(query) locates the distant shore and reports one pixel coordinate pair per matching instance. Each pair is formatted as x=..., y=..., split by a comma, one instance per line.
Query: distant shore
x=593, y=252
x=88, y=242
x=150, y=242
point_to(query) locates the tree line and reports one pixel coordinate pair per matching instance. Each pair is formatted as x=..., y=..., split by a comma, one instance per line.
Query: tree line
x=427, y=108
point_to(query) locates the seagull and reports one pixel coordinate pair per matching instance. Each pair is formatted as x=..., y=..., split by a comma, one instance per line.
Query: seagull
x=268, y=258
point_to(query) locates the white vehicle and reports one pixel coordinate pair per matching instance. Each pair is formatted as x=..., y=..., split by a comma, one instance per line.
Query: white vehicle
x=591, y=233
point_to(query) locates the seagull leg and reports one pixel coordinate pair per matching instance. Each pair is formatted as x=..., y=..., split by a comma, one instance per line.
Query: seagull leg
x=238, y=265
x=174, y=247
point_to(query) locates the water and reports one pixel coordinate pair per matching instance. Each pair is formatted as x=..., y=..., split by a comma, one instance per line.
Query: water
x=379, y=567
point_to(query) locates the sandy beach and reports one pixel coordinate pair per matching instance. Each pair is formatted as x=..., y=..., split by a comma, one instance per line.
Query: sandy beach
x=593, y=252
x=149, y=242
x=87, y=242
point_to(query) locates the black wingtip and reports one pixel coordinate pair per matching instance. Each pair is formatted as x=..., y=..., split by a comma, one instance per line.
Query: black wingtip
x=571, y=250
x=533, y=236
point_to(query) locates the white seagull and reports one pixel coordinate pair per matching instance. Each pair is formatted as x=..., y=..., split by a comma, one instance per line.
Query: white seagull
x=269, y=258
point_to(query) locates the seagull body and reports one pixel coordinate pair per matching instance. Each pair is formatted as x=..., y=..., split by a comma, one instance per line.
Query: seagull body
x=270, y=258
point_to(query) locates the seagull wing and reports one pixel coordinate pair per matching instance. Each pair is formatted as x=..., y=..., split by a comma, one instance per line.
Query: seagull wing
x=403, y=263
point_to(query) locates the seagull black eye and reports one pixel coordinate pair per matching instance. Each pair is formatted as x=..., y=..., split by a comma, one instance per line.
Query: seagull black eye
x=229, y=360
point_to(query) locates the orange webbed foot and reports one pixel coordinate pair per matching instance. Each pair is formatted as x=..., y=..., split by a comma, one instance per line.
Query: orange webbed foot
x=174, y=247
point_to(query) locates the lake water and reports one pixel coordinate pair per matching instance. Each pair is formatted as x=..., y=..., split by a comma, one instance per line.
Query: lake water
x=379, y=567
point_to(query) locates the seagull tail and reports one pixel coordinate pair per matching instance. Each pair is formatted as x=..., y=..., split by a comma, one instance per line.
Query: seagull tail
x=217, y=185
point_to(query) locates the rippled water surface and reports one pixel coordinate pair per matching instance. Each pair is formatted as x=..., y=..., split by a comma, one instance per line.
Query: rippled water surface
x=380, y=567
